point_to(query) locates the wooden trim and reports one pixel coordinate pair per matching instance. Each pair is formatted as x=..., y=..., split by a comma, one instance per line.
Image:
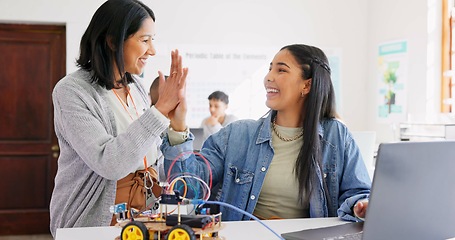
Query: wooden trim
x=446, y=56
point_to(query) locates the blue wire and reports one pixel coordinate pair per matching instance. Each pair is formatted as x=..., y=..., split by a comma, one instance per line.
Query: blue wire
x=198, y=201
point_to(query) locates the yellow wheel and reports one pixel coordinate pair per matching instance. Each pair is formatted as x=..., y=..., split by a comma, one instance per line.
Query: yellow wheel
x=181, y=232
x=211, y=234
x=134, y=231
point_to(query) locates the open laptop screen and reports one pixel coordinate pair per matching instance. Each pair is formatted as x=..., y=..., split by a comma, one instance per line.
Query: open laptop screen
x=413, y=192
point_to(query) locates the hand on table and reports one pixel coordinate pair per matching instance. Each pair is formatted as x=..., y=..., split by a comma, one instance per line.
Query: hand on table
x=360, y=208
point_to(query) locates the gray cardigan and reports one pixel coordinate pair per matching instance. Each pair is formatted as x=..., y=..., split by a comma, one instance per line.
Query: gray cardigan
x=92, y=156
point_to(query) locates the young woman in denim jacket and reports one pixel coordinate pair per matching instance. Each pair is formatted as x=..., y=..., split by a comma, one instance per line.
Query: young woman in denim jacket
x=297, y=161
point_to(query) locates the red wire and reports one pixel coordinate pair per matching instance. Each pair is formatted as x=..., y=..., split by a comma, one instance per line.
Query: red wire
x=195, y=153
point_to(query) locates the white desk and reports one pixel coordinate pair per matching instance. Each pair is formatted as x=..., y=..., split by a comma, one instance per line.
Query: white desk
x=232, y=230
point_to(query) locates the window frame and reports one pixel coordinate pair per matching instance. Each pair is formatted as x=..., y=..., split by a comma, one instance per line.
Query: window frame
x=448, y=53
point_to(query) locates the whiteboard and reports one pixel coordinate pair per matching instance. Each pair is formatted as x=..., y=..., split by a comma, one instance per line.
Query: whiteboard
x=238, y=71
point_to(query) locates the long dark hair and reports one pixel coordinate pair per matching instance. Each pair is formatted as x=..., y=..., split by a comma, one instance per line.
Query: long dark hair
x=102, y=43
x=319, y=104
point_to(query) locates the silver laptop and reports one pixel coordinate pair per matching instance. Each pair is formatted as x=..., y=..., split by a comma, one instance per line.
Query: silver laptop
x=413, y=192
x=412, y=196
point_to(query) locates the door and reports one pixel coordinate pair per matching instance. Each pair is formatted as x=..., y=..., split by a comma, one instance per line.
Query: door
x=32, y=60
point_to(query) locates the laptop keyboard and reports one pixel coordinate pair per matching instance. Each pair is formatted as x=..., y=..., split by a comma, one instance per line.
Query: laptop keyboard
x=350, y=236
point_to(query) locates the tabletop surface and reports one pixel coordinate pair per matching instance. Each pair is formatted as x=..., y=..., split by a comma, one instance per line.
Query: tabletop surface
x=231, y=230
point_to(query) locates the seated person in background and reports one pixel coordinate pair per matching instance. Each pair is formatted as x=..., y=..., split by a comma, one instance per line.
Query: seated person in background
x=154, y=93
x=298, y=161
x=218, y=103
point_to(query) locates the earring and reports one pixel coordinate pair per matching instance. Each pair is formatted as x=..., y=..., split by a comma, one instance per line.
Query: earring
x=302, y=94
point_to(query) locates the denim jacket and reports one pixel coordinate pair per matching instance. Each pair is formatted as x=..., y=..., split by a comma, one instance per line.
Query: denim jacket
x=240, y=155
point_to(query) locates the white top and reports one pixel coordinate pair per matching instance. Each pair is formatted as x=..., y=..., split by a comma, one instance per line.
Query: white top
x=123, y=119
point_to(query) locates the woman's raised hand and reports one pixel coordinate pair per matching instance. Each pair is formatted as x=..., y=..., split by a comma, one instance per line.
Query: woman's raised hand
x=172, y=93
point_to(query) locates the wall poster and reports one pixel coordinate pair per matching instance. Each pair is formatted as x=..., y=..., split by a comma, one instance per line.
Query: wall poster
x=392, y=80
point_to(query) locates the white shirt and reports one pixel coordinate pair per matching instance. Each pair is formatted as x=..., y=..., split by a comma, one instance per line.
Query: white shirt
x=124, y=118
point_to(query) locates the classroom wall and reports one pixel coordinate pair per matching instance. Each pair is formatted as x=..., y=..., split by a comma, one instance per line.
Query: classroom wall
x=353, y=27
x=274, y=24
x=418, y=23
